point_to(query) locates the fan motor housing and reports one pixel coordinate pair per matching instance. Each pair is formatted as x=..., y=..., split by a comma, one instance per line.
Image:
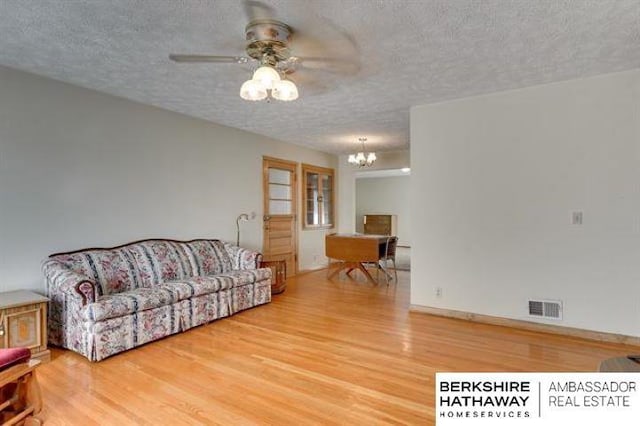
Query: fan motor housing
x=268, y=39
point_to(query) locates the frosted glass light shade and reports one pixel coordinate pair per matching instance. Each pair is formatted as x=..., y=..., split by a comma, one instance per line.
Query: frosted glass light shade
x=360, y=158
x=267, y=76
x=253, y=90
x=371, y=158
x=285, y=90
x=352, y=159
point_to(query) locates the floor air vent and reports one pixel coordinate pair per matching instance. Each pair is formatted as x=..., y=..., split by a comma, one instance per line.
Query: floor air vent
x=545, y=309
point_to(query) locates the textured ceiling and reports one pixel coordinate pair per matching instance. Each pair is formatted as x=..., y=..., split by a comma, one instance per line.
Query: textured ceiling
x=405, y=52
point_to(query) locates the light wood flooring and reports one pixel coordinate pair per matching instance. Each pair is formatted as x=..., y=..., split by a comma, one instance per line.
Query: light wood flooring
x=342, y=352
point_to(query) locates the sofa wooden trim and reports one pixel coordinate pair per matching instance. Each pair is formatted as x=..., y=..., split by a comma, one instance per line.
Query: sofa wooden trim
x=133, y=242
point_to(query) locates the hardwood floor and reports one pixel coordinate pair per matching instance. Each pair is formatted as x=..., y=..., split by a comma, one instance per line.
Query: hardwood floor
x=322, y=352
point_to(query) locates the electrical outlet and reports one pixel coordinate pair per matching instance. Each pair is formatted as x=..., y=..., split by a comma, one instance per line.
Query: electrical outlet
x=438, y=291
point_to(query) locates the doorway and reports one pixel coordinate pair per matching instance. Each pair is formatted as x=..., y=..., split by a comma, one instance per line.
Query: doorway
x=382, y=207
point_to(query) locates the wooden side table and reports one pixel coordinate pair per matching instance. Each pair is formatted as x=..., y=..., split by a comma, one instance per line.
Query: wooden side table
x=278, y=274
x=23, y=322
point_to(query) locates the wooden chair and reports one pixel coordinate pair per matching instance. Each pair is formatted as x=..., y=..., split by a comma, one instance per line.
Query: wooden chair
x=389, y=255
x=20, y=399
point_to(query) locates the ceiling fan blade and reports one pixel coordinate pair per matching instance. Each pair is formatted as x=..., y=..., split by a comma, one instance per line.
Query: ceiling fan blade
x=320, y=44
x=332, y=65
x=256, y=10
x=310, y=83
x=209, y=59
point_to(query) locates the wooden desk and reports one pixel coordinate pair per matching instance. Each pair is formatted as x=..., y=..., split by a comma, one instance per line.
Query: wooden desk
x=353, y=250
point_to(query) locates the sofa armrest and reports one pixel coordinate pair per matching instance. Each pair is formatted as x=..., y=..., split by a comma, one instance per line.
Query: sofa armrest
x=60, y=280
x=242, y=258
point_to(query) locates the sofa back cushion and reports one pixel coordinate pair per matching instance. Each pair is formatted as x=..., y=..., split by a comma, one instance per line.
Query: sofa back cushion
x=148, y=263
x=113, y=270
x=209, y=257
x=159, y=261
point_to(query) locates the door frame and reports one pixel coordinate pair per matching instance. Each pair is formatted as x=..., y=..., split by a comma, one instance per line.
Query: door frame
x=287, y=165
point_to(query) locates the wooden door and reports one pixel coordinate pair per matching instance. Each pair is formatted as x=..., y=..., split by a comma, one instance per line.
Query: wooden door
x=280, y=212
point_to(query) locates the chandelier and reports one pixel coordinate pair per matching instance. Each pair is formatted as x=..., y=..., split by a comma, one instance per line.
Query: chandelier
x=266, y=82
x=362, y=158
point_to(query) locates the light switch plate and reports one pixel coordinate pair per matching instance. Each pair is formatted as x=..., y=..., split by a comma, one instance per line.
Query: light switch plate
x=576, y=218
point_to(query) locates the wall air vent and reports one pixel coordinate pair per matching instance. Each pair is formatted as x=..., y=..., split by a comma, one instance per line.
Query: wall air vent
x=545, y=309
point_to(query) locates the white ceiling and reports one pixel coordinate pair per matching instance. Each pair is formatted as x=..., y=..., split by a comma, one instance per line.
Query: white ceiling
x=409, y=52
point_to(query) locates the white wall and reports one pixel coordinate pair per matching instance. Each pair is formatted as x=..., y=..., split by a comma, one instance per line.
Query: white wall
x=79, y=168
x=347, y=184
x=493, y=181
x=385, y=195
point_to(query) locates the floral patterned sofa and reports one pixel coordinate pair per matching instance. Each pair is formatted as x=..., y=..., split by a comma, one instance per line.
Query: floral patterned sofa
x=108, y=300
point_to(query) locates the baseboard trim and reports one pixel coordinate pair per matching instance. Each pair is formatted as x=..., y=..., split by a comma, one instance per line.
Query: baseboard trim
x=308, y=271
x=529, y=325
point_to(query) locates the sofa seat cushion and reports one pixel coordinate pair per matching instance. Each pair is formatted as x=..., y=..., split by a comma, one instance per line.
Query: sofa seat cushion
x=197, y=286
x=248, y=276
x=141, y=299
x=120, y=304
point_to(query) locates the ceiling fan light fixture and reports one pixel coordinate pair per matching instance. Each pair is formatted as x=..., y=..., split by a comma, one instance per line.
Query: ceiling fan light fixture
x=267, y=75
x=253, y=90
x=285, y=90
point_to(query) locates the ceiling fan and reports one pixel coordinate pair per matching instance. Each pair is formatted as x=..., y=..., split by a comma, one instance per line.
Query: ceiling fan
x=268, y=49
